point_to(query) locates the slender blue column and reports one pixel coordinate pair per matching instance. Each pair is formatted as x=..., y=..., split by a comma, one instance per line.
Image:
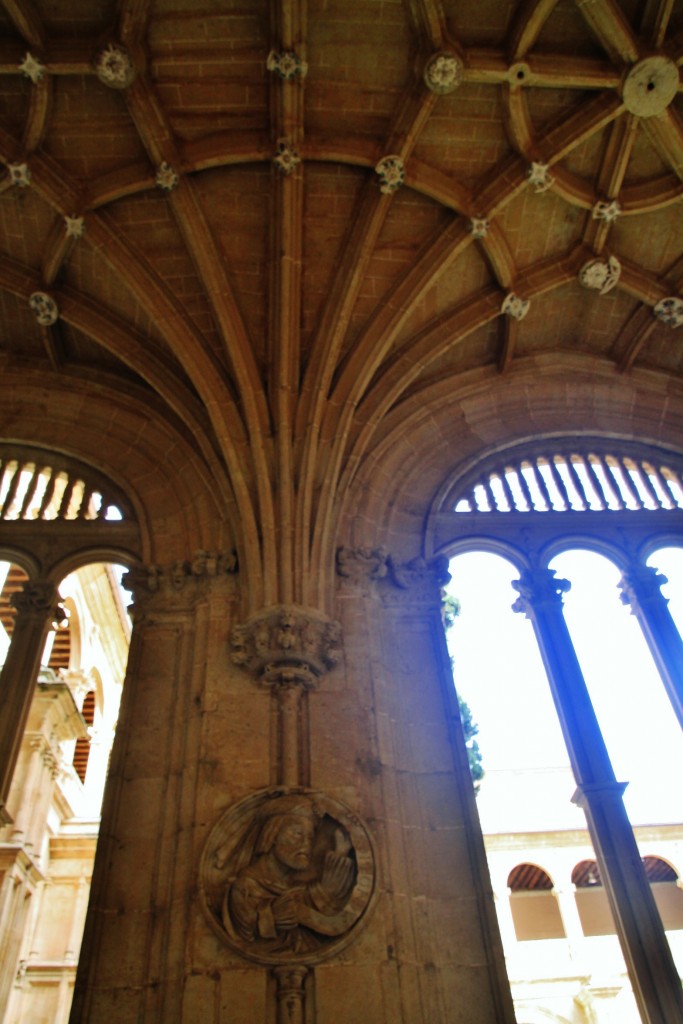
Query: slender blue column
x=653, y=974
x=640, y=588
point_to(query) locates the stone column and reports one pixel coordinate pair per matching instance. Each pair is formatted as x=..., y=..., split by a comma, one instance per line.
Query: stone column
x=132, y=963
x=640, y=588
x=36, y=608
x=653, y=974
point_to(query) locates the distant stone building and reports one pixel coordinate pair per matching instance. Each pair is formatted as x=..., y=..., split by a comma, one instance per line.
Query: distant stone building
x=47, y=852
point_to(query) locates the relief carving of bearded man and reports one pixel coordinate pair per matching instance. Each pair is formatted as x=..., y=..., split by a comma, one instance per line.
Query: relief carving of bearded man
x=291, y=893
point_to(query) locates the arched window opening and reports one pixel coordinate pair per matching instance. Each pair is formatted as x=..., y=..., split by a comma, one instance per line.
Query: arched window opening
x=535, y=912
x=591, y=901
x=82, y=749
x=13, y=578
x=55, y=796
x=641, y=734
x=42, y=485
x=573, y=477
x=589, y=512
x=669, y=561
x=667, y=891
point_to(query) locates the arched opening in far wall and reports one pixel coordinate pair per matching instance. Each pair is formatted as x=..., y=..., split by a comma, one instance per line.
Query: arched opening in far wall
x=64, y=638
x=550, y=510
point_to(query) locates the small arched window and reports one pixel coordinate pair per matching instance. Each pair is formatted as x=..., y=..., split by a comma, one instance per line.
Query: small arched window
x=82, y=749
x=591, y=900
x=666, y=890
x=535, y=912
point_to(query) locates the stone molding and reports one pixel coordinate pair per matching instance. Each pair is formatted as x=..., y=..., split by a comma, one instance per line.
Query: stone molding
x=287, y=644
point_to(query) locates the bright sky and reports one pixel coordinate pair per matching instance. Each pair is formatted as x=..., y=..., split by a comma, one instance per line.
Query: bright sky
x=499, y=672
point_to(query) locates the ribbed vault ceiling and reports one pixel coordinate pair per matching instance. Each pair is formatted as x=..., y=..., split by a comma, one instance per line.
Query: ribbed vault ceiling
x=240, y=257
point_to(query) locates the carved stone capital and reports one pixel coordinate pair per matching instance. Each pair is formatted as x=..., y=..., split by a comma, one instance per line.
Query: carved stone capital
x=287, y=644
x=148, y=581
x=362, y=564
x=418, y=572
x=537, y=587
x=417, y=579
x=39, y=597
x=642, y=584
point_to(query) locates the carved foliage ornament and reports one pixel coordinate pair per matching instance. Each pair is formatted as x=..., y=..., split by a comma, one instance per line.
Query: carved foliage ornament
x=19, y=174
x=114, y=66
x=538, y=587
x=286, y=158
x=38, y=596
x=443, y=73
x=540, y=177
x=286, y=65
x=609, y=212
x=287, y=876
x=365, y=564
x=287, y=636
x=670, y=311
x=45, y=308
x=166, y=178
x=515, y=306
x=479, y=227
x=154, y=578
x=600, y=275
x=32, y=68
x=75, y=226
x=391, y=174
x=641, y=584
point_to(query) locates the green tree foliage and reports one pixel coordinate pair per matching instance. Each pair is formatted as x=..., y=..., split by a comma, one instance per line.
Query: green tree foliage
x=450, y=611
x=470, y=728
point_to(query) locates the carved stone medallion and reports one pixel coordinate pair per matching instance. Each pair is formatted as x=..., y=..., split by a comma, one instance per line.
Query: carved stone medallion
x=287, y=876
